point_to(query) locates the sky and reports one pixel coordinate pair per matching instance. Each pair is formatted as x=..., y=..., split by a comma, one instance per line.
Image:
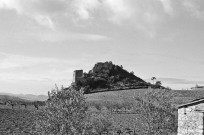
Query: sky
x=43, y=41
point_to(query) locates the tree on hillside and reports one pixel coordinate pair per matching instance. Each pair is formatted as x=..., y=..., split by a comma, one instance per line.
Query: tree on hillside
x=153, y=78
x=158, y=83
x=65, y=113
x=155, y=114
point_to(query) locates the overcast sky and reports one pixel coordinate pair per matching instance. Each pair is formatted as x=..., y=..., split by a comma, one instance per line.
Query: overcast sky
x=43, y=41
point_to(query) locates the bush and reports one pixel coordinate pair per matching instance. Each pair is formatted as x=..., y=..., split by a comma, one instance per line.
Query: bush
x=156, y=112
x=101, y=121
x=65, y=113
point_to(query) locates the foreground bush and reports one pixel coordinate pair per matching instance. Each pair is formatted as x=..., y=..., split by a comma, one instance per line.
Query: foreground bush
x=156, y=113
x=65, y=113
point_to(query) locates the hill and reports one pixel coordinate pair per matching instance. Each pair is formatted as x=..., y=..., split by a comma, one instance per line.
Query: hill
x=29, y=97
x=5, y=98
x=108, y=76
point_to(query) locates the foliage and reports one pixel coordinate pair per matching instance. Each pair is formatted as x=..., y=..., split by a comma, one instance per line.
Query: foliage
x=153, y=78
x=156, y=112
x=158, y=83
x=107, y=75
x=65, y=113
x=101, y=121
x=17, y=122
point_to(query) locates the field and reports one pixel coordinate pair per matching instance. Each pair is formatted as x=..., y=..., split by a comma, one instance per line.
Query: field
x=179, y=96
x=16, y=121
x=130, y=120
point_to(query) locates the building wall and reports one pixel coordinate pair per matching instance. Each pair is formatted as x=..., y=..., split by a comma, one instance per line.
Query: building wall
x=190, y=121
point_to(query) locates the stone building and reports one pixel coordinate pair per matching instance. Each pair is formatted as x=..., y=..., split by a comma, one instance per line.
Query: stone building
x=77, y=75
x=191, y=118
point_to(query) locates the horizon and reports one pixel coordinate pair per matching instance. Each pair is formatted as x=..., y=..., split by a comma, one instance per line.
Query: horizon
x=44, y=41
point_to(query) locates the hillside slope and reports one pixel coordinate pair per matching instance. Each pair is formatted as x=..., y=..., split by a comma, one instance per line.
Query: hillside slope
x=179, y=96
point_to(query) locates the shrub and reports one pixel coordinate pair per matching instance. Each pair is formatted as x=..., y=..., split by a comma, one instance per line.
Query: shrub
x=156, y=112
x=65, y=113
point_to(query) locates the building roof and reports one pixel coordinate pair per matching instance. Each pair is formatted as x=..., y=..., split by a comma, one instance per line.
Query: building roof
x=193, y=102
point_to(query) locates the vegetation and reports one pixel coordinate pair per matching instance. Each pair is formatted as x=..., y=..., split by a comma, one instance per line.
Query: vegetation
x=155, y=110
x=66, y=113
x=148, y=112
x=153, y=78
x=16, y=122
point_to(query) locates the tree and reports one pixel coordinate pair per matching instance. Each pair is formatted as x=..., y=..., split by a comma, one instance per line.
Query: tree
x=158, y=83
x=132, y=72
x=155, y=113
x=65, y=113
x=153, y=78
x=101, y=121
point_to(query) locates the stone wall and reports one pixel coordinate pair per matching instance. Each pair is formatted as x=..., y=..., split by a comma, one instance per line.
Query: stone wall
x=190, y=121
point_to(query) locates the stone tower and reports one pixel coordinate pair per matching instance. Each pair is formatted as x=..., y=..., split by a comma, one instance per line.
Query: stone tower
x=77, y=75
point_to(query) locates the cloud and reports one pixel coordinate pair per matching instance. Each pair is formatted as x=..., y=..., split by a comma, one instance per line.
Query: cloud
x=45, y=11
x=30, y=8
x=120, y=9
x=19, y=68
x=84, y=8
x=194, y=8
x=67, y=36
x=19, y=61
x=143, y=15
x=167, y=5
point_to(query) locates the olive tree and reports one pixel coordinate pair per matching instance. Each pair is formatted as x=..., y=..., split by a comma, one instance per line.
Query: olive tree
x=155, y=113
x=65, y=113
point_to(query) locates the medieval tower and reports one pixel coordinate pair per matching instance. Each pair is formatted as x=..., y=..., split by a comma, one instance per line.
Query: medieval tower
x=77, y=75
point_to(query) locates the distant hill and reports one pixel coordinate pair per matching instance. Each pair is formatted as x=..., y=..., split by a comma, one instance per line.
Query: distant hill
x=5, y=98
x=108, y=76
x=28, y=97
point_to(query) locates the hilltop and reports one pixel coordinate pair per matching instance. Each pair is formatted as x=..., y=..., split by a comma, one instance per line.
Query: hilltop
x=108, y=76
